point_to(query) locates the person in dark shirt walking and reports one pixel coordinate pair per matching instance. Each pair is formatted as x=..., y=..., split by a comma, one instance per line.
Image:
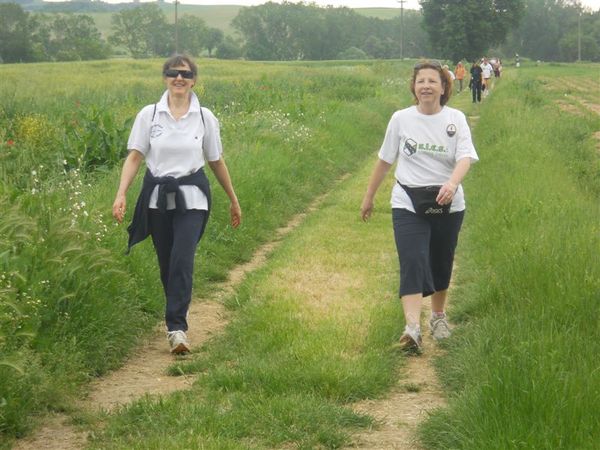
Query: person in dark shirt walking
x=476, y=81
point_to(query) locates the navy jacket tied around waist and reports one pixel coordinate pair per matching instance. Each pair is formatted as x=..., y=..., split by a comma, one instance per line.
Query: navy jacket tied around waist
x=139, y=228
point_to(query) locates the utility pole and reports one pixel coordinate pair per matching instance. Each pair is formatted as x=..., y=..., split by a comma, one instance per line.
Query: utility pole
x=579, y=38
x=401, y=28
x=176, y=30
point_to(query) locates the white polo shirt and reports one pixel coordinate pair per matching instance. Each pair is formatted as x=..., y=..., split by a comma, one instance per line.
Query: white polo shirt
x=176, y=147
x=427, y=147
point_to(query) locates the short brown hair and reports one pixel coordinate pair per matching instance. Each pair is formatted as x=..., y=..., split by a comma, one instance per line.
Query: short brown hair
x=179, y=60
x=444, y=75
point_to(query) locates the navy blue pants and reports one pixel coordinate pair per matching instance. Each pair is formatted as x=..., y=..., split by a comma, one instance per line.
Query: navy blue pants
x=175, y=236
x=476, y=91
x=426, y=250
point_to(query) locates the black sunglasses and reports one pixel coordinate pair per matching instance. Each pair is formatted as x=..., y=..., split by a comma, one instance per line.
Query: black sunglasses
x=173, y=73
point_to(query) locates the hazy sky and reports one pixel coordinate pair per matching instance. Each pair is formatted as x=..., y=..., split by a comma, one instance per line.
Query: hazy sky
x=409, y=4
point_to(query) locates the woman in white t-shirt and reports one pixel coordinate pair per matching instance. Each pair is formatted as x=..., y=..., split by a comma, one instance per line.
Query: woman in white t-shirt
x=432, y=146
x=175, y=137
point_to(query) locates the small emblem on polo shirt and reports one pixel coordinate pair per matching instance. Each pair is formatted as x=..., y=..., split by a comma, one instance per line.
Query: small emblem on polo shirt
x=156, y=130
x=451, y=130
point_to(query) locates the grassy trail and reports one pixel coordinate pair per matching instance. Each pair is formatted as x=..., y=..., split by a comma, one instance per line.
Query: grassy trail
x=318, y=320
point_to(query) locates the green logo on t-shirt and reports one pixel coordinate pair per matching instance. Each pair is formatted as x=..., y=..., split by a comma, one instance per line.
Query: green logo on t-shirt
x=432, y=148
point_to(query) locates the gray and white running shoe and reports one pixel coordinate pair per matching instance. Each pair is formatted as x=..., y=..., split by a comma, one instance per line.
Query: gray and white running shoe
x=178, y=342
x=439, y=328
x=411, y=340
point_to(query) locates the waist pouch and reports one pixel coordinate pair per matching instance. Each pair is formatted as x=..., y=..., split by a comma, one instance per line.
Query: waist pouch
x=423, y=200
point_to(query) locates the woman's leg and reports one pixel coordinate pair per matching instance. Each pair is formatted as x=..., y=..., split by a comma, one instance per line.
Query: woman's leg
x=412, y=305
x=161, y=230
x=444, y=238
x=186, y=235
x=412, y=235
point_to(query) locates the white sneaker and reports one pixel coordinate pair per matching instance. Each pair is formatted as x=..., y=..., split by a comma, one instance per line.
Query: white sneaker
x=439, y=328
x=178, y=342
x=411, y=340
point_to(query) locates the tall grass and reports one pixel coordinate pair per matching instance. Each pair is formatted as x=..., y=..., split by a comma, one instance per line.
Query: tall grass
x=524, y=369
x=71, y=304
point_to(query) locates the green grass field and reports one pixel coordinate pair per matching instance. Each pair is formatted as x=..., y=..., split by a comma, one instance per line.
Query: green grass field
x=313, y=330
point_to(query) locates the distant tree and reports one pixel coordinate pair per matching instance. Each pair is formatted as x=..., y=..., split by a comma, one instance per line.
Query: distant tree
x=193, y=34
x=374, y=47
x=41, y=36
x=267, y=32
x=143, y=31
x=15, y=31
x=341, y=28
x=213, y=38
x=289, y=31
x=547, y=23
x=75, y=37
x=410, y=31
x=228, y=49
x=468, y=28
x=569, y=48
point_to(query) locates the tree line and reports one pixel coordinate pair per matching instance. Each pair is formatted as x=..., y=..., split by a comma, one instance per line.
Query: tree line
x=550, y=30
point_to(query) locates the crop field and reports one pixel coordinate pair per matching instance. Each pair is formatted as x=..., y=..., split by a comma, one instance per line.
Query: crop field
x=312, y=331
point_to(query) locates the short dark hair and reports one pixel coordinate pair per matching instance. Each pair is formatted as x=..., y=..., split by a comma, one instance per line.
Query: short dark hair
x=179, y=59
x=444, y=75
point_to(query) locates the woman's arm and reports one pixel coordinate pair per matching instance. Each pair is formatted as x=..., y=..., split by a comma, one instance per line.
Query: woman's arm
x=379, y=172
x=130, y=168
x=219, y=168
x=449, y=188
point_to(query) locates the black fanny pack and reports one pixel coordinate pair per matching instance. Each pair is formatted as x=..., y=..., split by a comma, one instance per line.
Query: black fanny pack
x=423, y=200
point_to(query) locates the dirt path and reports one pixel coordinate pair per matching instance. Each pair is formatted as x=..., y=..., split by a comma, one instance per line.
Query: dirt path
x=417, y=392
x=145, y=371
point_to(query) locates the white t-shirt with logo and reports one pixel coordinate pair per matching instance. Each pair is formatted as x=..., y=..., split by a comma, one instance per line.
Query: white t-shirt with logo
x=426, y=147
x=176, y=147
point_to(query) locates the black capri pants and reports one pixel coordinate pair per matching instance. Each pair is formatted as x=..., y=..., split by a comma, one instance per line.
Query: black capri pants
x=426, y=248
x=175, y=236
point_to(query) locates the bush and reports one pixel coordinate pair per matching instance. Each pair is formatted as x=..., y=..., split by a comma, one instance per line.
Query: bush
x=353, y=53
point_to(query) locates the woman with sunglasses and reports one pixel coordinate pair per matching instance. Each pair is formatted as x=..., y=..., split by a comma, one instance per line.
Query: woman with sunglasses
x=175, y=137
x=432, y=146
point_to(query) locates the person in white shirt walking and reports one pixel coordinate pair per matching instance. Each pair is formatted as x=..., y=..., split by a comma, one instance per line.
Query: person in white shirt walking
x=432, y=146
x=175, y=137
x=487, y=72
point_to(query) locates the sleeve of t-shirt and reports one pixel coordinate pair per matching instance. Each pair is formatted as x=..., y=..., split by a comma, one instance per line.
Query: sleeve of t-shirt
x=139, y=138
x=211, y=142
x=391, y=142
x=464, y=145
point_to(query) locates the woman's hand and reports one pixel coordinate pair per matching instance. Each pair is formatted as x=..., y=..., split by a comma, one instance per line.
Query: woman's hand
x=366, y=209
x=128, y=172
x=236, y=214
x=379, y=172
x=446, y=193
x=119, y=207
